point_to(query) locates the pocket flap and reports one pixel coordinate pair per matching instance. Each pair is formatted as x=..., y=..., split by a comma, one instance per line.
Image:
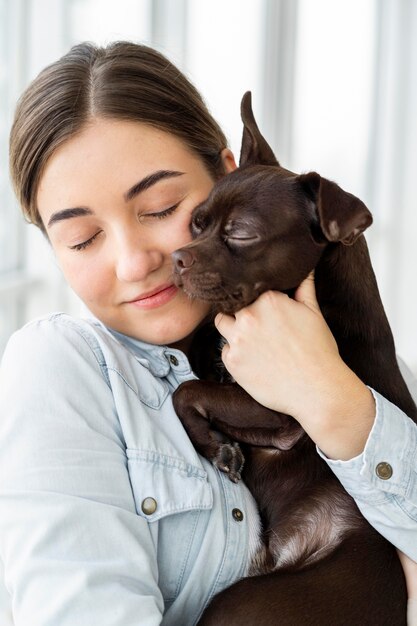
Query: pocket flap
x=164, y=485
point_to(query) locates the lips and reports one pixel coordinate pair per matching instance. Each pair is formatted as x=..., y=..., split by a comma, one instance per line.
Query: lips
x=157, y=297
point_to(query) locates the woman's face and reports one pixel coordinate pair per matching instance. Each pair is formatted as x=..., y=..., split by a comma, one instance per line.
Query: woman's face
x=116, y=200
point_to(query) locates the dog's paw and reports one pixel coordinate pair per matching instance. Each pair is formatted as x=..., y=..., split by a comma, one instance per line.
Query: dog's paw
x=229, y=459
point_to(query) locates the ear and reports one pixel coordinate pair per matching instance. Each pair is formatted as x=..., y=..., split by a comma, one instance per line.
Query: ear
x=255, y=149
x=342, y=216
x=228, y=159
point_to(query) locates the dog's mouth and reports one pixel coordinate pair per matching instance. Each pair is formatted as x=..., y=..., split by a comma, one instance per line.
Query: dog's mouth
x=210, y=287
x=225, y=297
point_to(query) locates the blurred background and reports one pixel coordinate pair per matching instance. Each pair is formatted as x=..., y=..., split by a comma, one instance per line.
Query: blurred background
x=334, y=86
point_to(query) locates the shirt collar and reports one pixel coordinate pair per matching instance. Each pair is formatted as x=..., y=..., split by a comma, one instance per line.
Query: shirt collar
x=158, y=359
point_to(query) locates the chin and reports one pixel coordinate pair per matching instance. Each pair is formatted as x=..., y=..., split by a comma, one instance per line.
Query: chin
x=167, y=333
x=174, y=337
x=164, y=327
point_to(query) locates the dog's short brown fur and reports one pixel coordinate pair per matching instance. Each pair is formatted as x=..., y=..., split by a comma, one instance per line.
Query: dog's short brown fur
x=264, y=227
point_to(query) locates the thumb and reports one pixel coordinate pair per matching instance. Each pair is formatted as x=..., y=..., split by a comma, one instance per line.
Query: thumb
x=306, y=293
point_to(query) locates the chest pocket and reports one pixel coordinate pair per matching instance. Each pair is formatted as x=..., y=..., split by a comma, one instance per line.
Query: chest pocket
x=174, y=485
x=175, y=498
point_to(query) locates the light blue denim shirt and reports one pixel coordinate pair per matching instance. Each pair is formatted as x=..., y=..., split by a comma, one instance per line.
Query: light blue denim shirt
x=108, y=516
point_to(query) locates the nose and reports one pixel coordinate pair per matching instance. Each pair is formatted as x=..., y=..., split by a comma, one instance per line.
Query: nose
x=182, y=260
x=136, y=259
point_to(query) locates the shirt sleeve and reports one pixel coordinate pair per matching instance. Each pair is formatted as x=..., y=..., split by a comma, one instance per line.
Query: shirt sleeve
x=73, y=547
x=383, y=479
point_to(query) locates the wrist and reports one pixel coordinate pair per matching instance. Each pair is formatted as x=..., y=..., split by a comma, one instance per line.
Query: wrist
x=343, y=415
x=410, y=572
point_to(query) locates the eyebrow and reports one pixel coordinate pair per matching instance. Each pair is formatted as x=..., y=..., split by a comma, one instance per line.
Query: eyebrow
x=149, y=181
x=67, y=213
x=134, y=191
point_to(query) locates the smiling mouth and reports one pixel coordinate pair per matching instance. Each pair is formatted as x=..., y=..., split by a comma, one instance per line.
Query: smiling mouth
x=155, y=298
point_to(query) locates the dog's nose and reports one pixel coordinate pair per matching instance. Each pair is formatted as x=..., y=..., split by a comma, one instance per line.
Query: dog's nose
x=183, y=260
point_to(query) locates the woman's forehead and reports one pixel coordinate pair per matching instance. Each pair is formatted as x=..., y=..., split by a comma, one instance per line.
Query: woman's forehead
x=113, y=147
x=107, y=158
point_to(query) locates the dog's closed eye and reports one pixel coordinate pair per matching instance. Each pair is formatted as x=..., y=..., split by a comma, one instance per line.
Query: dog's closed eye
x=241, y=237
x=241, y=232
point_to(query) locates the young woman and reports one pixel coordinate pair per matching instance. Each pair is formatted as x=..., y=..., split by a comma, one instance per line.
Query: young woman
x=107, y=513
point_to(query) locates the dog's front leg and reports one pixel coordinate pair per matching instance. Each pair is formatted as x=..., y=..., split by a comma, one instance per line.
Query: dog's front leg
x=205, y=408
x=196, y=403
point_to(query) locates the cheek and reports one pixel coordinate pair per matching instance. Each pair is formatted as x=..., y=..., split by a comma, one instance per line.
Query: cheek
x=89, y=279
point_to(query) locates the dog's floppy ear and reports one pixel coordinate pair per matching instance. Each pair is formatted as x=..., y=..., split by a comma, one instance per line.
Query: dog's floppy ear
x=255, y=149
x=342, y=216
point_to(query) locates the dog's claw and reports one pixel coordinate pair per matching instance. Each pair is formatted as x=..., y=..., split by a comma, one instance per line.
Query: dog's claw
x=229, y=460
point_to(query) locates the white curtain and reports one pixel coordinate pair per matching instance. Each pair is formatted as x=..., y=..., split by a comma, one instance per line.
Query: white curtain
x=392, y=169
x=5, y=608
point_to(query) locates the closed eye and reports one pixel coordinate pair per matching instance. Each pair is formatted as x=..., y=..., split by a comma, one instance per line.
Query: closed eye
x=241, y=231
x=84, y=244
x=159, y=215
x=241, y=238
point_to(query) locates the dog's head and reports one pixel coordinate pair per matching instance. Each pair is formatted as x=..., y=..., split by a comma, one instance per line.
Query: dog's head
x=263, y=227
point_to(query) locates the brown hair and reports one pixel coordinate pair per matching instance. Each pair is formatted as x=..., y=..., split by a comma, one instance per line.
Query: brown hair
x=124, y=81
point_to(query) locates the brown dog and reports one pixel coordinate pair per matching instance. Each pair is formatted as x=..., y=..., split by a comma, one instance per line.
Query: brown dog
x=264, y=227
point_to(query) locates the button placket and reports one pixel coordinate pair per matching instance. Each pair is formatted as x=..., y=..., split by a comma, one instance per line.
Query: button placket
x=237, y=515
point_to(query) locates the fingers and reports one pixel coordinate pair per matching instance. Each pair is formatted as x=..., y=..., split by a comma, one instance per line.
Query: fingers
x=224, y=323
x=272, y=300
x=306, y=293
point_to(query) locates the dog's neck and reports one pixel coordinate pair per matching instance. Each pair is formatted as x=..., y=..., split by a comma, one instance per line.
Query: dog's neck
x=348, y=296
x=347, y=290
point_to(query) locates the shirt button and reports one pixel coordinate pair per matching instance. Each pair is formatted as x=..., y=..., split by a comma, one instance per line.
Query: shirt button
x=237, y=515
x=149, y=506
x=173, y=359
x=383, y=470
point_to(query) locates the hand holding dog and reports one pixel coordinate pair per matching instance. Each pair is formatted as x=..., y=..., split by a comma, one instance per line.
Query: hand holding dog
x=282, y=352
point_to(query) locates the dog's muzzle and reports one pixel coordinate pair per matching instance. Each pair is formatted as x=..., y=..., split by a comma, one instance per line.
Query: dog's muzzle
x=182, y=259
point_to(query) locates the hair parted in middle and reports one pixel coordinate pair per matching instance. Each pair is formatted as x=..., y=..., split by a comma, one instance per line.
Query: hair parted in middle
x=125, y=81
